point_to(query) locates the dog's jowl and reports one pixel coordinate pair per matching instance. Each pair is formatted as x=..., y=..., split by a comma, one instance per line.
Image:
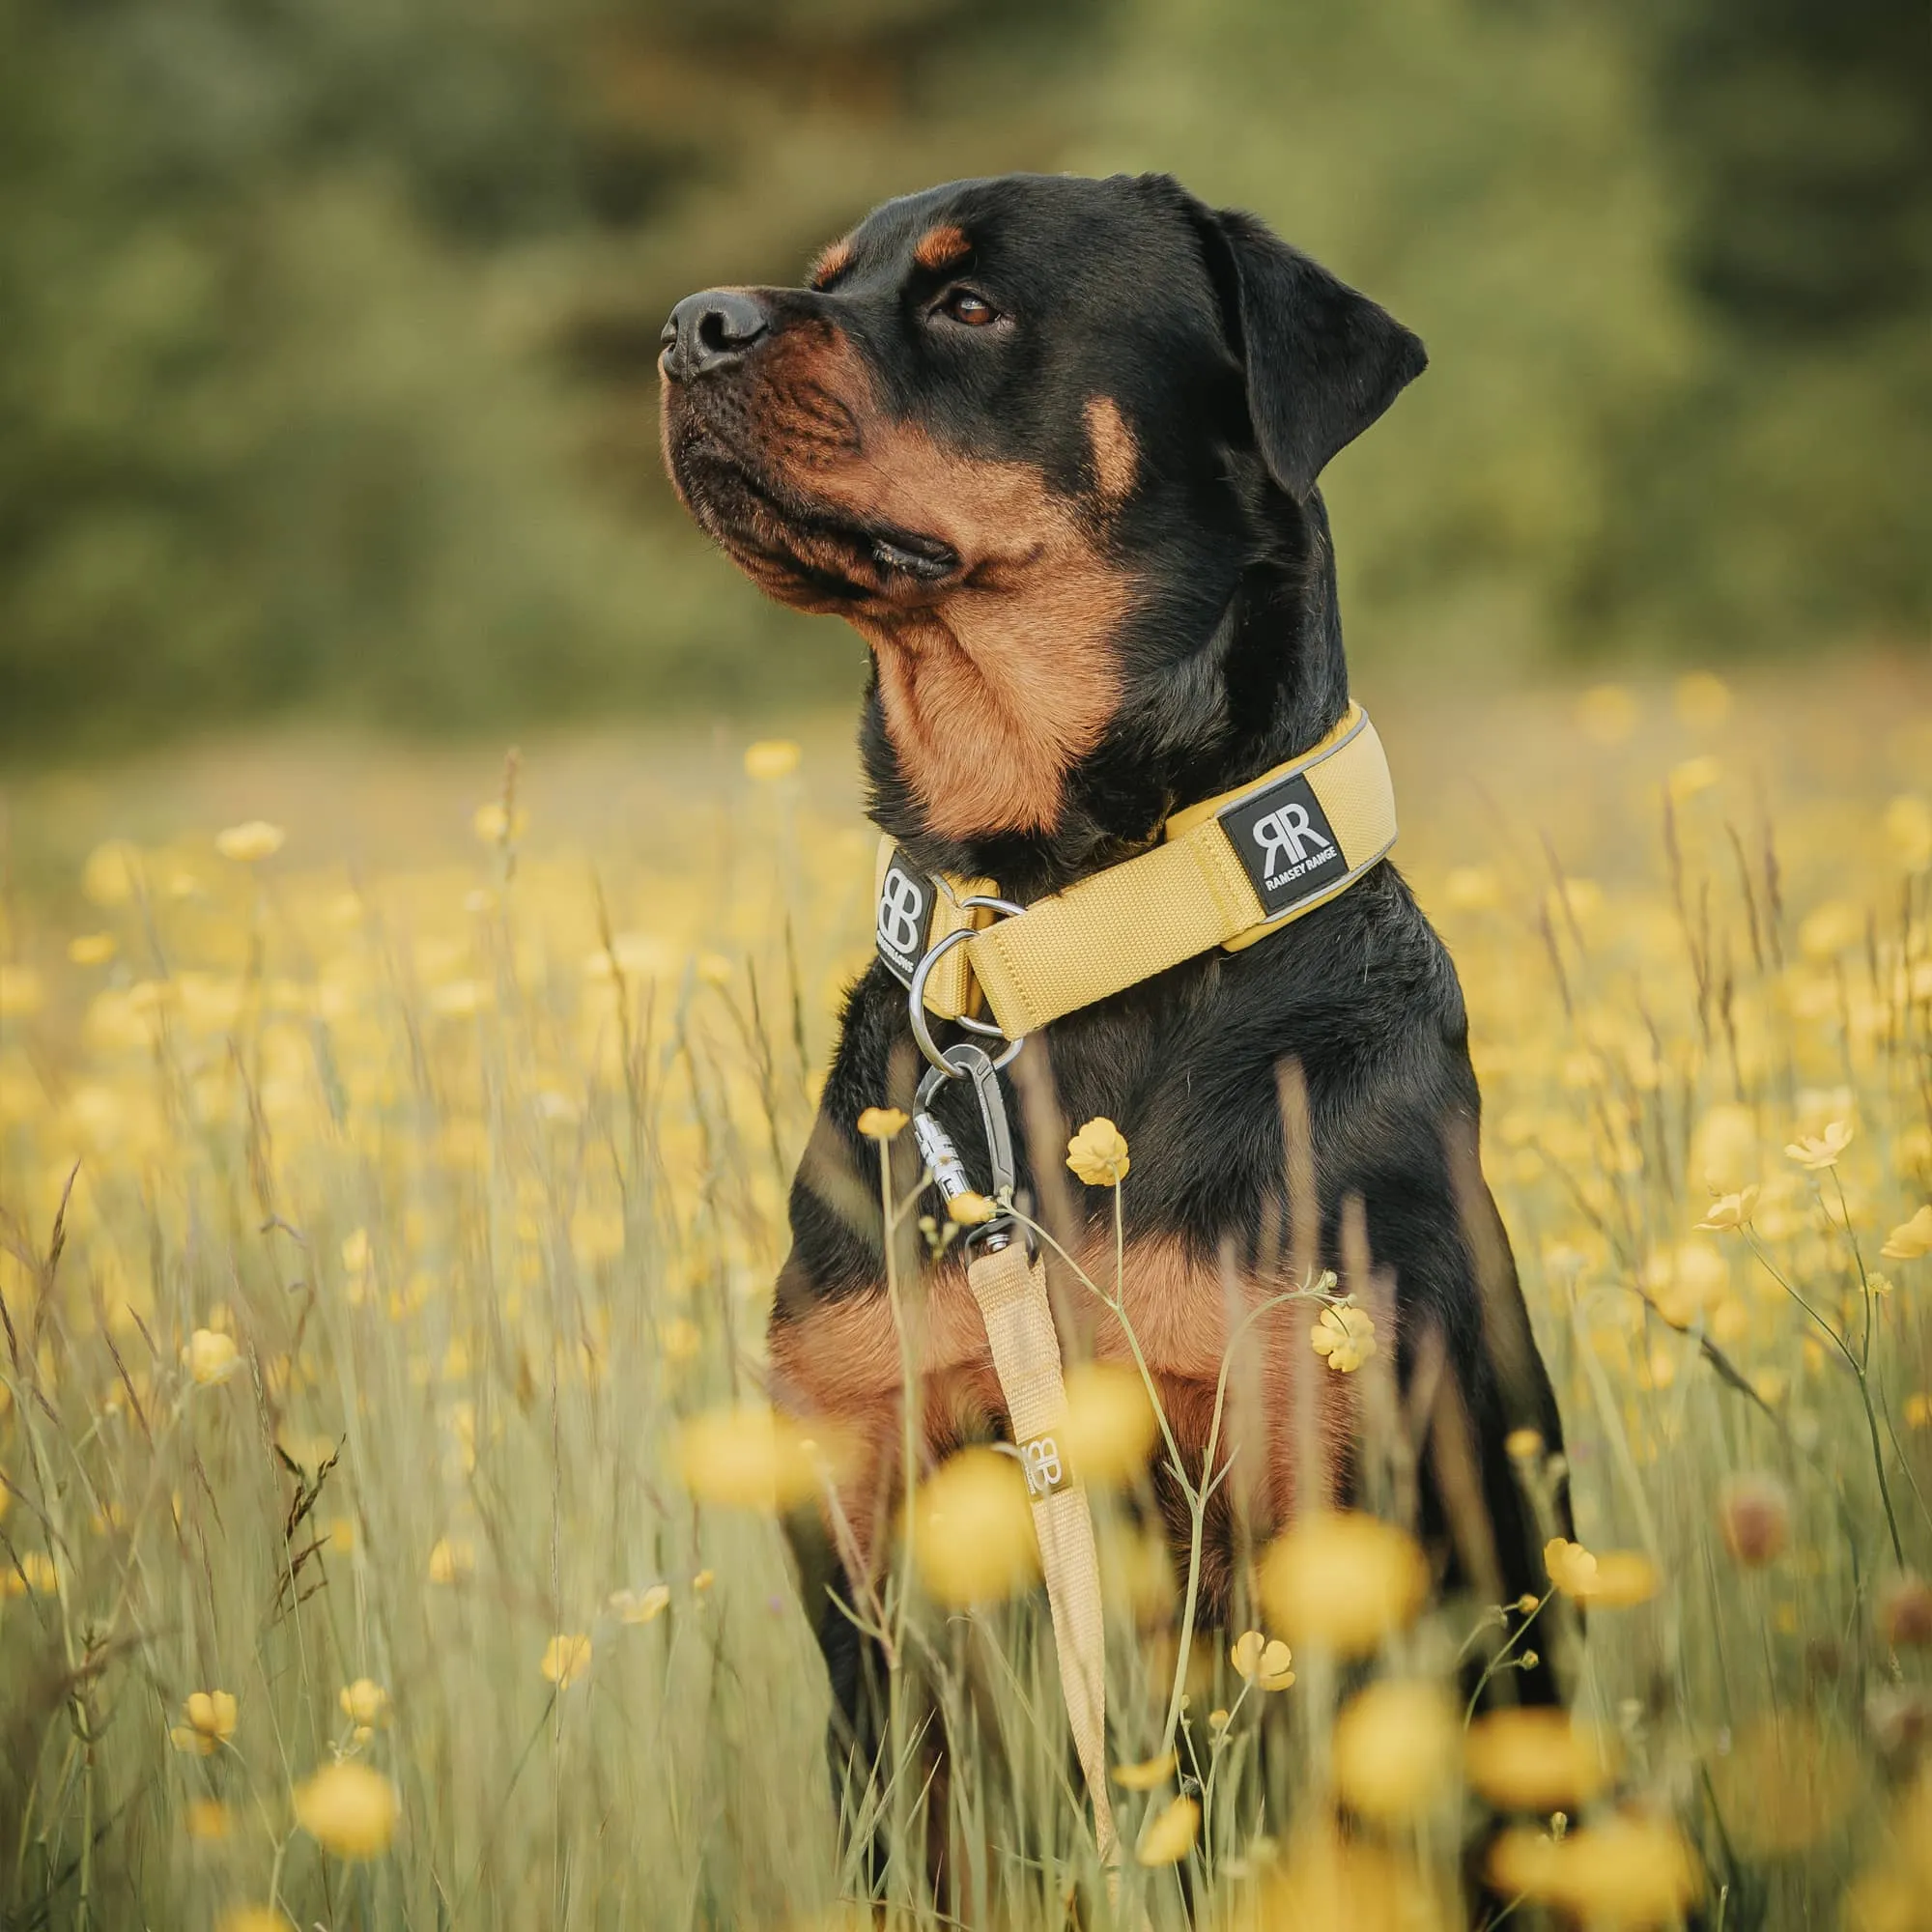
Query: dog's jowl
x=1051, y=446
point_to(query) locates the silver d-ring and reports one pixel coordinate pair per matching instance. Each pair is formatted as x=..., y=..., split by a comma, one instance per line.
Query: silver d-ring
x=916, y=1000
x=985, y=1027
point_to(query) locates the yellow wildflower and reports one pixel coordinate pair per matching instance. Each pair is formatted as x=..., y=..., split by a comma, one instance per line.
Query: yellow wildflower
x=1523, y=1445
x=748, y=1457
x=211, y=1357
x=494, y=826
x=1147, y=1777
x=1818, y=1151
x=348, y=1810
x=882, y=1123
x=565, y=1659
x=207, y=1820
x=641, y=1606
x=703, y=1582
x=1911, y=1240
x=1110, y=1425
x=1571, y=1567
x=364, y=1702
x=1346, y=1335
x=771, y=758
x=90, y=949
x=1534, y=1760
x=1098, y=1153
x=975, y=1537
x=970, y=1210
x=1266, y=1663
x=250, y=842
x=1396, y=1748
x=1729, y=1210
x=1344, y=1581
x=1624, y=1872
x=208, y=1723
x=1170, y=1834
x=451, y=1558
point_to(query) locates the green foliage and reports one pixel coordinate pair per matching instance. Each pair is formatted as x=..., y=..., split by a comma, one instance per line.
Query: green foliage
x=331, y=331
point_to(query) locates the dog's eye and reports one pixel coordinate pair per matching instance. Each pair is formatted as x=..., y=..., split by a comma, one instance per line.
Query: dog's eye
x=974, y=310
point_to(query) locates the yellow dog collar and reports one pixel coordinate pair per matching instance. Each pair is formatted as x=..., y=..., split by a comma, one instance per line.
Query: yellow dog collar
x=1228, y=871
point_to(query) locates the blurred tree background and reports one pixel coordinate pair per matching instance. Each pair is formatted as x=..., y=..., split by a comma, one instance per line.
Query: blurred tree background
x=328, y=332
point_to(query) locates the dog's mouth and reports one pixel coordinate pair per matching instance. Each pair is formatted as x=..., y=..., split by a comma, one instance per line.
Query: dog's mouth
x=794, y=544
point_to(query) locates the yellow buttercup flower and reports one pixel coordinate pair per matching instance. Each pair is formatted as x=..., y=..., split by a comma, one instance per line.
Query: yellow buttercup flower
x=211, y=1357
x=1523, y=1445
x=1534, y=1760
x=1344, y=1581
x=250, y=842
x=1911, y=1240
x=882, y=1123
x=1396, y=1748
x=771, y=758
x=1266, y=1663
x=1624, y=1872
x=970, y=1210
x=450, y=1559
x=1110, y=1425
x=1729, y=1210
x=1098, y=1153
x=348, y=1809
x=1170, y=1835
x=207, y=1820
x=565, y=1659
x=1147, y=1777
x=1571, y=1567
x=1346, y=1335
x=641, y=1606
x=750, y=1456
x=1818, y=1151
x=364, y=1702
x=208, y=1722
x=90, y=949
x=974, y=1535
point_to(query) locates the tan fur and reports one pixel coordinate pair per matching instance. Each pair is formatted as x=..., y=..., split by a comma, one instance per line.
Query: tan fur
x=841, y=1360
x=1116, y=455
x=830, y=262
x=994, y=683
x=939, y=248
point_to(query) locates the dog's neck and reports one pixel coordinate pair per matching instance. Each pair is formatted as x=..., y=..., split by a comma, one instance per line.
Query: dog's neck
x=1253, y=676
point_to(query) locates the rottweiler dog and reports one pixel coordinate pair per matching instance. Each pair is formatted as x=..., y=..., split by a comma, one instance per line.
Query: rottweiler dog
x=1051, y=446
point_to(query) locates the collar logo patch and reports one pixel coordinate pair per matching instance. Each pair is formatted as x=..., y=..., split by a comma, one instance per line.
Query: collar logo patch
x=904, y=919
x=1286, y=844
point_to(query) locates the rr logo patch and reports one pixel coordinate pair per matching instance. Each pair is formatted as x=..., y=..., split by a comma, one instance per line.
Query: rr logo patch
x=1044, y=1466
x=904, y=919
x=1286, y=844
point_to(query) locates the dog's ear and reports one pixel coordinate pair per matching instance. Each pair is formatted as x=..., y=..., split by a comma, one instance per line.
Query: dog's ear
x=1323, y=360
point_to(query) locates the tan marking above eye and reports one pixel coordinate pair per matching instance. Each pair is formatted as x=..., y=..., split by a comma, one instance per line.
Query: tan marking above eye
x=1116, y=455
x=830, y=263
x=942, y=247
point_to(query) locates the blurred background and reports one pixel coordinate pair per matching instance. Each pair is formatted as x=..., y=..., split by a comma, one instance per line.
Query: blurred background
x=329, y=386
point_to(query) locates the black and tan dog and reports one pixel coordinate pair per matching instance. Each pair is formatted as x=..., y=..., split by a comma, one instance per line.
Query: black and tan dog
x=1051, y=446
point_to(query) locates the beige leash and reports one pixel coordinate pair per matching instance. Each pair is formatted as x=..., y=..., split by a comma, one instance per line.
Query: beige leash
x=1011, y=1294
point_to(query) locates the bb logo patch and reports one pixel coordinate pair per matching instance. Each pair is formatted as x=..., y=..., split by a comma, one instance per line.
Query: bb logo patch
x=1286, y=844
x=1045, y=1469
x=904, y=919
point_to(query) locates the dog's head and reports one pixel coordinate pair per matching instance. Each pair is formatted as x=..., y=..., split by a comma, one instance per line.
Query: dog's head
x=1025, y=433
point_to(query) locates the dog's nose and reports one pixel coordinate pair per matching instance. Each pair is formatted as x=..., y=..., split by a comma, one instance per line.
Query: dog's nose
x=711, y=330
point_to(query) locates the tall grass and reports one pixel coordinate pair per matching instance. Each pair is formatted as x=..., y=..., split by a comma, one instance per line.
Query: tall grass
x=386, y=1258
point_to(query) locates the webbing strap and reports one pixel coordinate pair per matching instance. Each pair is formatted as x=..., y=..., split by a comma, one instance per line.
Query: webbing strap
x=1230, y=871
x=1011, y=1294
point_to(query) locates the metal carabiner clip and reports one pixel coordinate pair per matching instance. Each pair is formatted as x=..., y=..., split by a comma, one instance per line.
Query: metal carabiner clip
x=965, y=1061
